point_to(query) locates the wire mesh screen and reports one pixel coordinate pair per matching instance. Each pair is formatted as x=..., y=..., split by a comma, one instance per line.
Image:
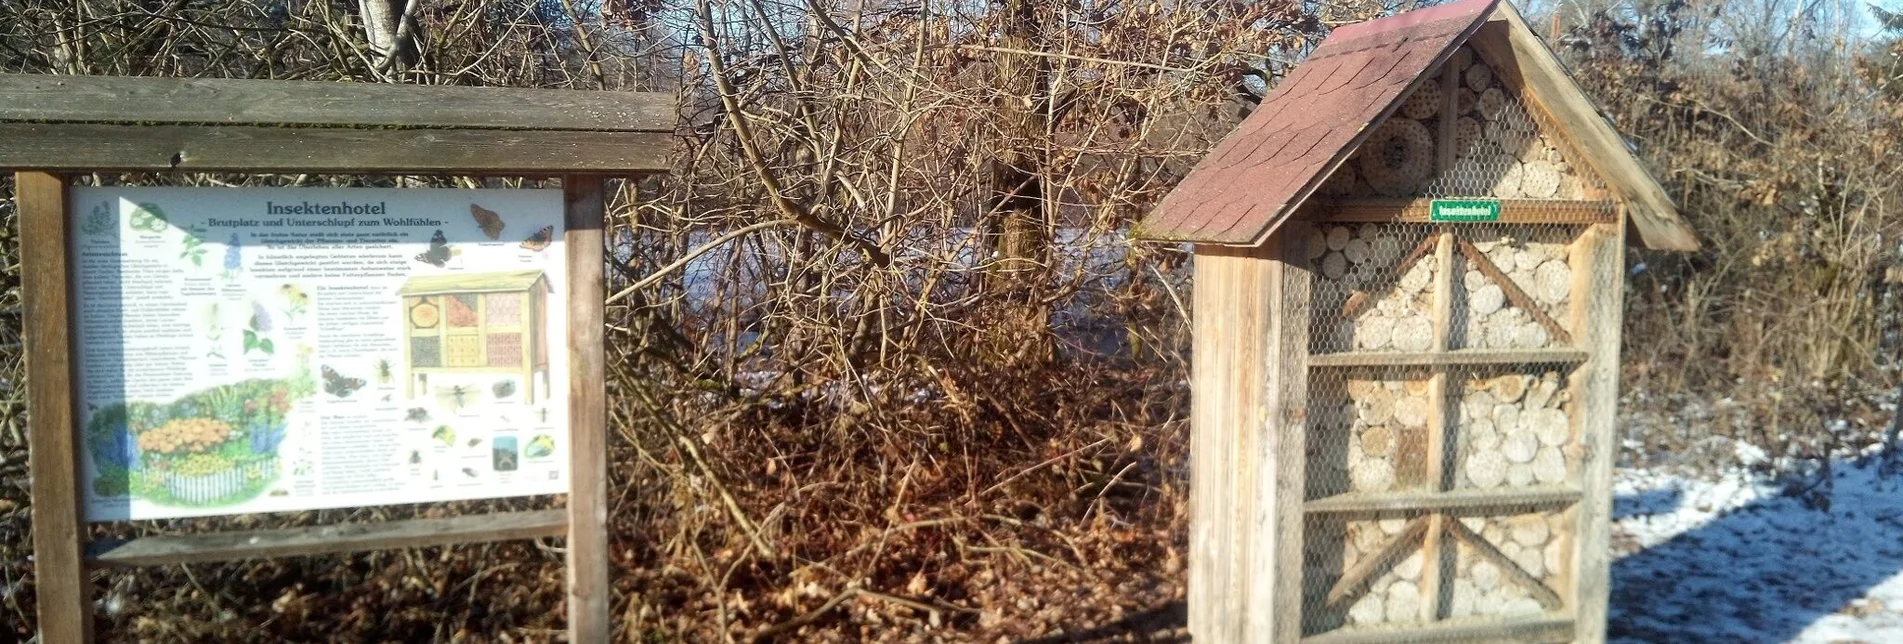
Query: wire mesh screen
x=1373, y=287
x=1443, y=359
x=1499, y=148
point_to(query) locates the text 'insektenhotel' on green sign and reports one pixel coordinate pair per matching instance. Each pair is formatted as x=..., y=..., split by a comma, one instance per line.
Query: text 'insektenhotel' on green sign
x=1463, y=210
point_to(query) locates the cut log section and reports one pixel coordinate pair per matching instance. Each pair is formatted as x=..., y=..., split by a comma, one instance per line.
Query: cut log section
x=1316, y=242
x=1538, y=179
x=1552, y=281
x=1550, y=425
x=1356, y=250
x=1507, y=186
x=1486, y=469
x=1520, y=446
x=1549, y=466
x=1413, y=333
x=1377, y=442
x=1491, y=103
x=1486, y=299
x=1338, y=237
x=1371, y=475
x=1530, y=531
x=1509, y=388
x=1411, y=411
x=1403, y=602
x=1519, y=474
x=1334, y=266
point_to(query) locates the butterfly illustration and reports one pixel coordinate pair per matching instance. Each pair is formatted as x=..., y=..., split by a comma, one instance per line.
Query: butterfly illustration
x=337, y=385
x=487, y=220
x=438, y=253
x=539, y=241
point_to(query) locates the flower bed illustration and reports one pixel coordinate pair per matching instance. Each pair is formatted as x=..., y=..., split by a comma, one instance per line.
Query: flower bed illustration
x=214, y=447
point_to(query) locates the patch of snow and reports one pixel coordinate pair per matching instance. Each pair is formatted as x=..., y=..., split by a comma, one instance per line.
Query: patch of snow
x=1729, y=559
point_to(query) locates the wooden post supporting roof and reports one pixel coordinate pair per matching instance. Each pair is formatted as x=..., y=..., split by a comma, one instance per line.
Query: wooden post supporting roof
x=78, y=124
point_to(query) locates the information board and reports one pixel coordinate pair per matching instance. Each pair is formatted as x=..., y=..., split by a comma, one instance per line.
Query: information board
x=263, y=349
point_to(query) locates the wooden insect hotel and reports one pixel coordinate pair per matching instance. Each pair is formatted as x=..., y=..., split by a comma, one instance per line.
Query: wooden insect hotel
x=477, y=323
x=1408, y=276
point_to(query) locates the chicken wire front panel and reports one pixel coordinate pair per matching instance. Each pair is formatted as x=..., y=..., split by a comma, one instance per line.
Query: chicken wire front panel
x=1498, y=147
x=1491, y=312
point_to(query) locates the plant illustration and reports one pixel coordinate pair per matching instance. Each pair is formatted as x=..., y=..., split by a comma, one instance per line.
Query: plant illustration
x=193, y=245
x=295, y=300
x=213, y=447
x=234, y=257
x=100, y=221
x=149, y=218
x=254, y=337
x=214, y=332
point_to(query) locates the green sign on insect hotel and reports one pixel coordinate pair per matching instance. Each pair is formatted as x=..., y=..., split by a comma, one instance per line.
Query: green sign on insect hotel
x=1463, y=210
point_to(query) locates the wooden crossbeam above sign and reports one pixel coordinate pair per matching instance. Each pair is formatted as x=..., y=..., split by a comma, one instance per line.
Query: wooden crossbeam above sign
x=128, y=124
x=246, y=148
x=222, y=101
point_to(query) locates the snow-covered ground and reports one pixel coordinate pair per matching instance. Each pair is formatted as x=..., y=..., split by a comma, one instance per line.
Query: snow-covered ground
x=1732, y=560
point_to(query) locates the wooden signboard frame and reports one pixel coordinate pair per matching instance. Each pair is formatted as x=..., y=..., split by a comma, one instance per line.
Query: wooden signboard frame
x=54, y=126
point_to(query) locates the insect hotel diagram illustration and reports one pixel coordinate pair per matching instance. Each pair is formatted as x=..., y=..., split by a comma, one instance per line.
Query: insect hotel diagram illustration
x=484, y=323
x=1408, y=276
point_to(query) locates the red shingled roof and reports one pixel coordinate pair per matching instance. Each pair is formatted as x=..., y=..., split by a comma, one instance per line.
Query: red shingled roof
x=1310, y=123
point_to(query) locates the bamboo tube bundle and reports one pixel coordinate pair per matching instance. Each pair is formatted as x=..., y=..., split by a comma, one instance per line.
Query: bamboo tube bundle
x=1423, y=103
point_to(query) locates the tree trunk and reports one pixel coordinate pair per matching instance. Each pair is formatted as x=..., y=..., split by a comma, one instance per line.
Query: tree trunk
x=390, y=33
x=1018, y=222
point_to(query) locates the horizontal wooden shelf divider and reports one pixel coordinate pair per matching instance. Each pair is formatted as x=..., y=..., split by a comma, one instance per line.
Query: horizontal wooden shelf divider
x=1512, y=211
x=1449, y=358
x=1451, y=500
x=332, y=539
x=226, y=101
x=1542, y=629
x=83, y=147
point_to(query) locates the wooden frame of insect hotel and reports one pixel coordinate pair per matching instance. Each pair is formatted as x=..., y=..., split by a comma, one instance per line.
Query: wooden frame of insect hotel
x=1408, y=276
x=477, y=323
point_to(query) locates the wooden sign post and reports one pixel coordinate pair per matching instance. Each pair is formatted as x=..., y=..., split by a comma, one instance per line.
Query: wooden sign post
x=55, y=126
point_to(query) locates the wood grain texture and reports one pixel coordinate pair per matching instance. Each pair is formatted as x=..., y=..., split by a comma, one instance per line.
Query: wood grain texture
x=63, y=586
x=1512, y=211
x=147, y=100
x=1510, y=46
x=1599, y=294
x=1516, y=631
x=589, y=589
x=1248, y=429
x=242, y=148
x=1438, y=562
x=1226, y=380
x=1450, y=358
x=331, y=539
x=1276, y=530
x=1376, y=562
x=1495, y=500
